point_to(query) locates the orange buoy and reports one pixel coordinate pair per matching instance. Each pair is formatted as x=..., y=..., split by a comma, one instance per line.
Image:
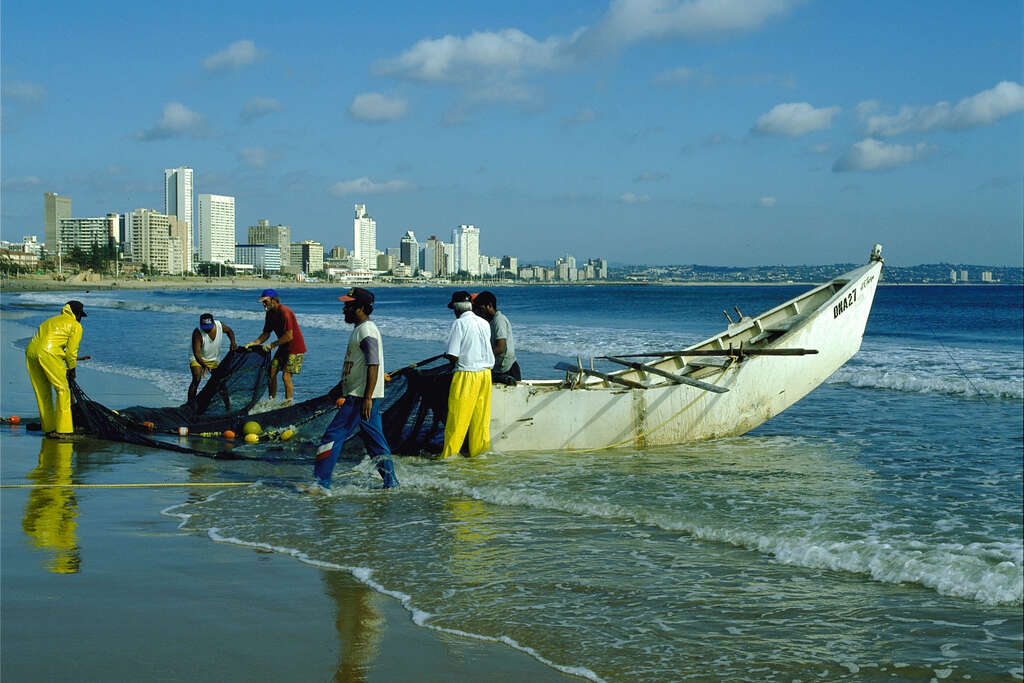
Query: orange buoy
x=340, y=402
x=14, y=419
x=228, y=434
x=148, y=425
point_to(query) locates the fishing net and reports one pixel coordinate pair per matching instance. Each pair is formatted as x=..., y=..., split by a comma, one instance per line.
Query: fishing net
x=413, y=411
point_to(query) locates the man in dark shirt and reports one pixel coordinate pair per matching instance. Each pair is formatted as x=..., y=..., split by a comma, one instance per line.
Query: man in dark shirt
x=290, y=345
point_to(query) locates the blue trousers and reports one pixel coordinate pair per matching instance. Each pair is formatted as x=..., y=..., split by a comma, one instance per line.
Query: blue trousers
x=346, y=422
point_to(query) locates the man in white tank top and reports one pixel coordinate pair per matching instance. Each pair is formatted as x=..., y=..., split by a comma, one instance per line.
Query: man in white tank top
x=206, y=344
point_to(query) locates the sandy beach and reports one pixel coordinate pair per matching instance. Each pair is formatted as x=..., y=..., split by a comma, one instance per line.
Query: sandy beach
x=99, y=583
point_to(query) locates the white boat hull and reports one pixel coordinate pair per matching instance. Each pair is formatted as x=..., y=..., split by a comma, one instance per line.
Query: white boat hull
x=548, y=415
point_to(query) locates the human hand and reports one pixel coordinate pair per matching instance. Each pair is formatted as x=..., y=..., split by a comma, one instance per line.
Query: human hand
x=365, y=409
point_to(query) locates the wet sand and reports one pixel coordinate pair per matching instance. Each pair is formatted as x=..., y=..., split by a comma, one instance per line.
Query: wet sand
x=98, y=584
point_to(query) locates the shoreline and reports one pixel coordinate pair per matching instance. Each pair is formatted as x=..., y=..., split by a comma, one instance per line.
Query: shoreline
x=44, y=284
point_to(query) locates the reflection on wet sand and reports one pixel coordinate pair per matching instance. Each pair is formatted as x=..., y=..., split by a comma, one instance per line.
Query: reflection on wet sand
x=359, y=623
x=50, y=515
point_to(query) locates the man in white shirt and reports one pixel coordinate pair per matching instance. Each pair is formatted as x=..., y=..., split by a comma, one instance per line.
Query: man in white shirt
x=362, y=388
x=469, y=399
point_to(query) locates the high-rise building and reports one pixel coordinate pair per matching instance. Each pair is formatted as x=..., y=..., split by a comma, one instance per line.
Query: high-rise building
x=265, y=258
x=55, y=209
x=410, y=250
x=434, y=261
x=510, y=264
x=87, y=233
x=338, y=252
x=280, y=235
x=364, y=234
x=178, y=188
x=158, y=241
x=216, y=228
x=307, y=256
x=466, y=241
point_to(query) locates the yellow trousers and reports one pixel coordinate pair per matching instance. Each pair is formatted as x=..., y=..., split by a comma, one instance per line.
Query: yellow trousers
x=49, y=374
x=469, y=410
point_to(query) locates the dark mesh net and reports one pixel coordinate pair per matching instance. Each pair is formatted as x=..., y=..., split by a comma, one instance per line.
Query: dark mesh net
x=413, y=409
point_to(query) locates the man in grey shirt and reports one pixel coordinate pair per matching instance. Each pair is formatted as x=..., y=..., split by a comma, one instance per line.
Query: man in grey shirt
x=506, y=369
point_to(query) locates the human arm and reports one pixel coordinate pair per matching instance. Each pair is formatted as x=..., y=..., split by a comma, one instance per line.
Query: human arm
x=71, y=350
x=371, y=356
x=197, y=348
x=282, y=340
x=231, y=336
x=498, y=346
x=454, y=344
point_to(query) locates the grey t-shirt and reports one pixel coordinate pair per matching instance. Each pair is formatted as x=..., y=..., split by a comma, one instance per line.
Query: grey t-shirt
x=502, y=329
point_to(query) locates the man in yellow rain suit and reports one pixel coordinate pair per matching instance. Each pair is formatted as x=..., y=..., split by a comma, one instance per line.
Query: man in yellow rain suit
x=469, y=399
x=51, y=357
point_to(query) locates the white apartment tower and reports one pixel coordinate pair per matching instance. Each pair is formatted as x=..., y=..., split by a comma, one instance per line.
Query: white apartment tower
x=178, y=188
x=466, y=240
x=364, y=232
x=216, y=228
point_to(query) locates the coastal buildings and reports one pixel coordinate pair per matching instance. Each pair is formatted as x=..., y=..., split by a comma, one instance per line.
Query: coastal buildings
x=178, y=188
x=435, y=261
x=307, y=256
x=88, y=233
x=409, y=250
x=55, y=209
x=159, y=241
x=466, y=252
x=278, y=235
x=216, y=228
x=264, y=258
x=364, y=237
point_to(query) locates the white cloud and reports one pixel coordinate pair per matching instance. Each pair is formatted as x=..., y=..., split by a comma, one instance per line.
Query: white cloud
x=30, y=182
x=23, y=91
x=820, y=148
x=234, y=56
x=377, y=108
x=257, y=107
x=874, y=155
x=254, y=156
x=631, y=21
x=680, y=74
x=795, y=119
x=362, y=186
x=453, y=59
x=768, y=202
x=650, y=176
x=982, y=109
x=630, y=198
x=177, y=120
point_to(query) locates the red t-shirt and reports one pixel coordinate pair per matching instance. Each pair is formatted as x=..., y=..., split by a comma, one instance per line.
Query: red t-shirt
x=279, y=322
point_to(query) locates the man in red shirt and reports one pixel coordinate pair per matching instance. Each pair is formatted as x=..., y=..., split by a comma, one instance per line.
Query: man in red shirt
x=290, y=345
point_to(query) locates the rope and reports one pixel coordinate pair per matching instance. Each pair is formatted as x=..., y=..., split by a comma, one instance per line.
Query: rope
x=122, y=486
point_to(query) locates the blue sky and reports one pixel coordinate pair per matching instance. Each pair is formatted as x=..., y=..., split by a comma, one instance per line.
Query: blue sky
x=734, y=132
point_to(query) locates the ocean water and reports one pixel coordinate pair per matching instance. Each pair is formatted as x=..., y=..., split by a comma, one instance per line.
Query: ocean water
x=873, y=530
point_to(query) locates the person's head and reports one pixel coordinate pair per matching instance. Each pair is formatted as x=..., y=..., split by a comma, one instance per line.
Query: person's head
x=206, y=322
x=461, y=302
x=77, y=309
x=485, y=304
x=269, y=299
x=358, y=304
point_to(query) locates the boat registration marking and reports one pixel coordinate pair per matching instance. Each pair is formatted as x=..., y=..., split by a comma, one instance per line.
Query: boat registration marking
x=844, y=303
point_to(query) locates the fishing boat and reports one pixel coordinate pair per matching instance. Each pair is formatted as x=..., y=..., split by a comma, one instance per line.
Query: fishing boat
x=723, y=386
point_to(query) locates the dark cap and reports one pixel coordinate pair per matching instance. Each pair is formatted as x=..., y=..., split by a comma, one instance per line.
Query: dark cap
x=460, y=297
x=359, y=295
x=272, y=293
x=77, y=308
x=206, y=321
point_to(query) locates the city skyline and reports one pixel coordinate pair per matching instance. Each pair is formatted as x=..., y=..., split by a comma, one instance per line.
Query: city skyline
x=677, y=132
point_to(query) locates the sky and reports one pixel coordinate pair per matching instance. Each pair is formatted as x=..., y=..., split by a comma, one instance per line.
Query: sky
x=718, y=132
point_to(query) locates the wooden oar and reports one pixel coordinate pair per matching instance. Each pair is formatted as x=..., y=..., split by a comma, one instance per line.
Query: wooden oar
x=719, y=352
x=678, y=379
x=608, y=378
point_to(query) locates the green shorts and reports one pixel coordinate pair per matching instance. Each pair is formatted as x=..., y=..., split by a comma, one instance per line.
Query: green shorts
x=292, y=366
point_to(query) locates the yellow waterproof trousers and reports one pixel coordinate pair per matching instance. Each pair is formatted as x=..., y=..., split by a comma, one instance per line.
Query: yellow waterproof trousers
x=469, y=409
x=48, y=374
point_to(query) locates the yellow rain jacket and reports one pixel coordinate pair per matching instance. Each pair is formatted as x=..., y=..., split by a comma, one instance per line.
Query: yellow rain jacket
x=49, y=355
